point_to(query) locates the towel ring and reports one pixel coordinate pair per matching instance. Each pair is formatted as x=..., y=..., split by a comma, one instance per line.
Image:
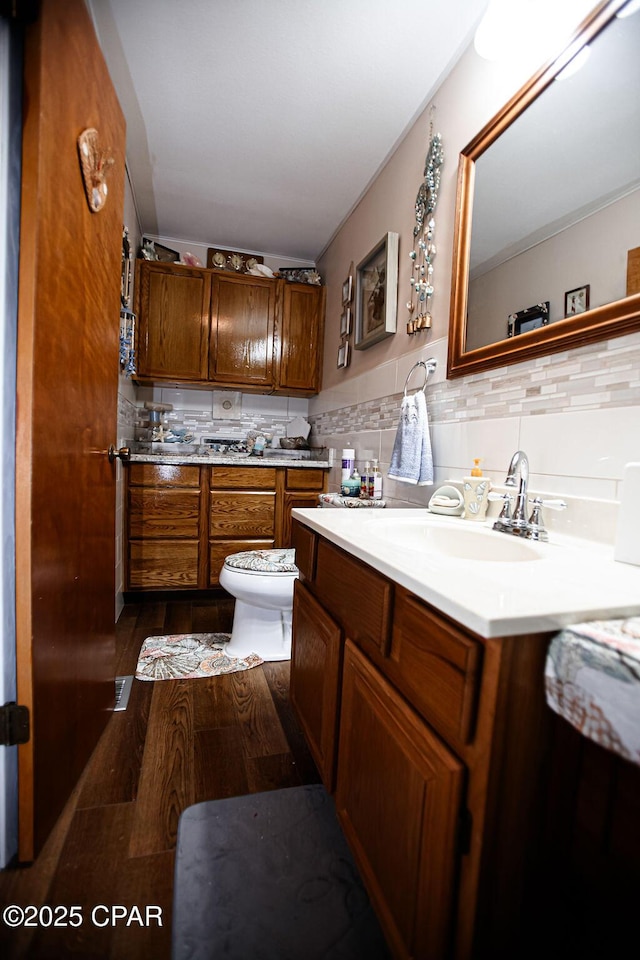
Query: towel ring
x=429, y=367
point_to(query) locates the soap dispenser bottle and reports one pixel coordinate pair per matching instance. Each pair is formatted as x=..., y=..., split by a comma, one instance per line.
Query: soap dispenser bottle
x=476, y=493
x=364, y=482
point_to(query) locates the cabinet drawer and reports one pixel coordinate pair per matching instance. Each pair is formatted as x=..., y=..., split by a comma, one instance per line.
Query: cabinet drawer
x=163, y=513
x=305, y=479
x=163, y=563
x=163, y=474
x=436, y=666
x=358, y=597
x=243, y=478
x=241, y=514
x=219, y=550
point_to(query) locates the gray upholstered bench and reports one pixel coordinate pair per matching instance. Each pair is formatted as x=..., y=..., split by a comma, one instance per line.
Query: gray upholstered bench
x=269, y=876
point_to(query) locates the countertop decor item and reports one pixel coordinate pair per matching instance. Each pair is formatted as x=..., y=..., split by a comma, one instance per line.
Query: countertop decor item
x=424, y=248
x=376, y=293
x=447, y=501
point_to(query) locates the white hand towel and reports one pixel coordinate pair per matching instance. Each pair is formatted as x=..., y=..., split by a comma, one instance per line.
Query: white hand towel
x=411, y=460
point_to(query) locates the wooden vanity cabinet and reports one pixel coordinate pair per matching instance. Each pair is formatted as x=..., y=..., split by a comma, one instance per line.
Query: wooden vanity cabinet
x=163, y=513
x=182, y=521
x=197, y=325
x=242, y=513
x=439, y=742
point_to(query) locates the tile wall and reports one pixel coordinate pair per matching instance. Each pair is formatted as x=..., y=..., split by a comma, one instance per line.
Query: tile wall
x=576, y=414
x=201, y=412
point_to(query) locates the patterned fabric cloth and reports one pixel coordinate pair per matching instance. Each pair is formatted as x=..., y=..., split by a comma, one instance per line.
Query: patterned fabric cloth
x=592, y=679
x=265, y=561
x=188, y=655
x=335, y=500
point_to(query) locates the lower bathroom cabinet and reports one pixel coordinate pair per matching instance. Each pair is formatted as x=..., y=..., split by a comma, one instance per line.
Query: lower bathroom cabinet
x=182, y=520
x=434, y=744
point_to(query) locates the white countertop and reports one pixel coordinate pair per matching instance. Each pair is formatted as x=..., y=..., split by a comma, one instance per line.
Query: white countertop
x=568, y=582
x=231, y=459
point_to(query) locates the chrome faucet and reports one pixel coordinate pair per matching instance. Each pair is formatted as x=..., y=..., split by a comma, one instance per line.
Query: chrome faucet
x=517, y=523
x=519, y=462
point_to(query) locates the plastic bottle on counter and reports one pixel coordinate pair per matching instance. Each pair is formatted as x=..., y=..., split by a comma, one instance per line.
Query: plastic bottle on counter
x=376, y=484
x=364, y=481
x=348, y=463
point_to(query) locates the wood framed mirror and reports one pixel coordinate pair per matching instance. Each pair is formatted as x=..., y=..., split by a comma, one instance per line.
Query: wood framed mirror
x=555, y=172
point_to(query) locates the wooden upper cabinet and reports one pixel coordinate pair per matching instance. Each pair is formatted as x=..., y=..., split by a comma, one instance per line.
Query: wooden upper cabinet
x=173, y=314
x=301, y=337
x=197, y=325
x=242, y=323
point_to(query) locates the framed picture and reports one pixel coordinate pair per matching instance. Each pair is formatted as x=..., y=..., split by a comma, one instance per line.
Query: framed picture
x=377, y=293
x=576, y=301
x=343, y=354
x=530, y=319
x=347, y=290
x=345, y=322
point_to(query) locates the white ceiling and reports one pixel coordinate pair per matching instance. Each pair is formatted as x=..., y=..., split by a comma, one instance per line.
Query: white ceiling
x=258, y=124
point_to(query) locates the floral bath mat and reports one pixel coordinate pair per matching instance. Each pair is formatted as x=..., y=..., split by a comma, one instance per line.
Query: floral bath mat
x=185, y=656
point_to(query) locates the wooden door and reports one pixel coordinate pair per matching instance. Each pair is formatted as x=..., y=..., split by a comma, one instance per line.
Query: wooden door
x=301, y=338
x=173, y=306
x=398, y=798
x=242, y=323
x=68, y=327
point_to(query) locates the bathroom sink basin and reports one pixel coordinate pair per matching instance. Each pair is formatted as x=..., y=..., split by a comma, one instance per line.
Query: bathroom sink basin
x=450, y=540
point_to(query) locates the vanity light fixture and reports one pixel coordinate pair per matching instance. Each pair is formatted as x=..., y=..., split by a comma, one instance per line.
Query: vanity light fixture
x=517, y=30
x=629, y=9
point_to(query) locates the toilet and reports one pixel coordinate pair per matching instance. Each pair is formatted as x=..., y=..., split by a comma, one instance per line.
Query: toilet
x=262, y=583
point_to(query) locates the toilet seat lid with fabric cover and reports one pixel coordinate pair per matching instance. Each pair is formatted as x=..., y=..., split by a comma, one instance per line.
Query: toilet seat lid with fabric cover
x=263, y=561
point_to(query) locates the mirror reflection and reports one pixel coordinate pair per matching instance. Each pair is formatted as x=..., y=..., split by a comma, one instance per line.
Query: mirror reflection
x=549, y=208
x=567, y=211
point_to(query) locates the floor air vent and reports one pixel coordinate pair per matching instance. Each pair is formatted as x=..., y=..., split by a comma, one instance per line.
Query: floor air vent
x=123, y=689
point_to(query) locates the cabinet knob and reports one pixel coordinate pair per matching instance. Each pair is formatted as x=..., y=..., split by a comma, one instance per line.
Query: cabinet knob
x=124, y=453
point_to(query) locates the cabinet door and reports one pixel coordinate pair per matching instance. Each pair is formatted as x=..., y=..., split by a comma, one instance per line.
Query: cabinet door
x=398, y=797
x=243, y=312
x=300, y=336
x=173, y=315
x=291, y=500
x=315, y=665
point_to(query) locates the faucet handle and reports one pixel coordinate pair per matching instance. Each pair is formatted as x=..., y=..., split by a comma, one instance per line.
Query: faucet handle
x=535, y=520
x=507, y=498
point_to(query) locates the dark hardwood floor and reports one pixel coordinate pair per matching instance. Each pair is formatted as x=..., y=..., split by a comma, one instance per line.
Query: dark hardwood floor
x=178, y=743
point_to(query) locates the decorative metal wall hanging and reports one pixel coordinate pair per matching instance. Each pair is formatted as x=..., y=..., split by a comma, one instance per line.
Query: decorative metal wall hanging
x=424, y=249
x=95, y=165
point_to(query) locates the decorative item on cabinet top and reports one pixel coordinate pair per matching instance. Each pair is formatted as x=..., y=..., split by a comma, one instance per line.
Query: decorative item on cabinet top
x=300, y=275
x=232, y=260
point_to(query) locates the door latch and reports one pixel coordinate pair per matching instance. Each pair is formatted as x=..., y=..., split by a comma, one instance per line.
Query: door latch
x=14, y=724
